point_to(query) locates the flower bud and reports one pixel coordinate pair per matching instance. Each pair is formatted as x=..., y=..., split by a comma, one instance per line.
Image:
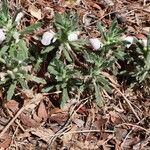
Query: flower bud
x=96, y=43
x=2, y=36
x=144, y=42
x=73, y=36
x=129, y=39
x=47, y=38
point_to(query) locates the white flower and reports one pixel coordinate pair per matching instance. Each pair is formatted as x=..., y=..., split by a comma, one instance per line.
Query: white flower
x=2, y=36
x=129, y=39
x=73, y=36
x=18, y=18
x=96, y=43
x=47, y=38
x=144, y=42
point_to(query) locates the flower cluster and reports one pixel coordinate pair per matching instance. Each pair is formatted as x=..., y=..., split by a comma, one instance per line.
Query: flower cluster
x=49, y=37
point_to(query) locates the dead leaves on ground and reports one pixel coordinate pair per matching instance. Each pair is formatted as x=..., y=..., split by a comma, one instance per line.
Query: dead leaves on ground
x=87, y=128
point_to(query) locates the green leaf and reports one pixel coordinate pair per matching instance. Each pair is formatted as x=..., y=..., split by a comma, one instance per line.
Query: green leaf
x=56, y=67
x=11, y=91
x=47, y=49
x=13, y=51
x=23, y=51
x=36, y=79
x=147, y=60
x=65, y=97
x=102, y=80
x=67, y=56
x=79, y=44
x=113, y=26
x=3, y=50
x=31, y=28
x=2, y=61
x=58, y=18
x=37, y=66
x=143, y=76
x=47, y=89
x=52, y=70
x=148, y=42
x=119, y=55
x=108, y=89
x=99, y=99
x=23, y=83
x=100, y=28
x=5, y=8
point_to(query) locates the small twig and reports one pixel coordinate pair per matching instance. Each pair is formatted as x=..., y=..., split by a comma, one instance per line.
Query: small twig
x=75, y=132
x=136, y=126
x=13, y=137
x=133, y=127
x=16, y=121
x=103, y=17
x=11, y=122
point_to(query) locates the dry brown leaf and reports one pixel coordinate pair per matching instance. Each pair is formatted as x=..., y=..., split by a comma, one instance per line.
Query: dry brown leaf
x=60, y=118
x=130, y=142
x=1, y=94
x=140, y=36
x=67, y=137
x=99, y=123
x=115, y=118
x=137, y=146
x=42, y=113
x=35, y=12
x=12, y=105
x=5, y=144
x=78, y=122
x=42, y=133
x=131, y=29
x=24, y=135
x=4, y=120
x=120, y=133
x=56, y=110
x=36, y=118
x=119, y=110
x=146, y=29
x=27, y=121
